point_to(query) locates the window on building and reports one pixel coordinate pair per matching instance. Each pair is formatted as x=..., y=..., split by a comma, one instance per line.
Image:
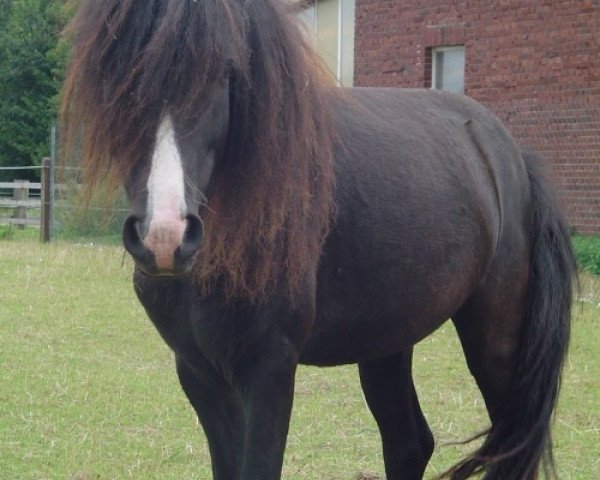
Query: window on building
x=448, y=69
x=332, y=22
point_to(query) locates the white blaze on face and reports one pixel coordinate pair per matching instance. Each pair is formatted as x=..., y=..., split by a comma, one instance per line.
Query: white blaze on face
x=166, y=197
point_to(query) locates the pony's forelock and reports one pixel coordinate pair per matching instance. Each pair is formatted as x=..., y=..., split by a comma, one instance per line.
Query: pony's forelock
x=130, y=59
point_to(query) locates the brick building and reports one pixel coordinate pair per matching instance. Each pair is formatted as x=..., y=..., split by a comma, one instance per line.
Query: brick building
x=536, y=63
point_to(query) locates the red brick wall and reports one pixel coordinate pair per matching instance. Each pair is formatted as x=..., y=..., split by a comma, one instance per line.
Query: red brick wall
x=536, y=63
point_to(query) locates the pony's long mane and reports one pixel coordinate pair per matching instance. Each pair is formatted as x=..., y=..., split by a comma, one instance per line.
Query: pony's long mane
x=270, y=200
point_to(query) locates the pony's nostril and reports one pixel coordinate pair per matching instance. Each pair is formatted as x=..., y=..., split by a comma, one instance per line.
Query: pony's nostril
x=132, y=240
x=192, y=238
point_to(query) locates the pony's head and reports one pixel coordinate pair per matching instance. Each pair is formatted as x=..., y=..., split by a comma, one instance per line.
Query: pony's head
x=164, y=231
x=214, y=116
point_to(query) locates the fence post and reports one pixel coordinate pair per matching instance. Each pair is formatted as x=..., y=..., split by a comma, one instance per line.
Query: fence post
x=46, y=203
x=53, y=141
x=21, y=193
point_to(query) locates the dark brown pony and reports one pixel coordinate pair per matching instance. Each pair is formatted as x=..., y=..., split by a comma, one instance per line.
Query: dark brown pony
x=277, y=219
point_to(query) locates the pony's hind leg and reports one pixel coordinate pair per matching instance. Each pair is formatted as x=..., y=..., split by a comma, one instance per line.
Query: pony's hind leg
x=489, y=328
x=391, y=396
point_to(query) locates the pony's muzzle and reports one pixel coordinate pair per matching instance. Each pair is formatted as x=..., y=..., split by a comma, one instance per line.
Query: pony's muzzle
x=167, y=248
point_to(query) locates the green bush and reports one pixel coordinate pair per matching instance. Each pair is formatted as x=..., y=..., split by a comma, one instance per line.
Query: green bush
x=12, y=233
x=587, y=251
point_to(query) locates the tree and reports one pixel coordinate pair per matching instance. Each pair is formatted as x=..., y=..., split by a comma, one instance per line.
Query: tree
x=31, y=69
x=4, y=12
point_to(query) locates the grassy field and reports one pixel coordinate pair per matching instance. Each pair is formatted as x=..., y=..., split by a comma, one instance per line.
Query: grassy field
x=88, y=390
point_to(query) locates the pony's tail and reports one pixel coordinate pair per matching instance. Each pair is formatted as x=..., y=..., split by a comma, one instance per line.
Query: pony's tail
x=519, y=439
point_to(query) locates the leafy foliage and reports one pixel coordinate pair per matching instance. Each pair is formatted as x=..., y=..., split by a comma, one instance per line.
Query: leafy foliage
x=32, y=61
x=587, y=251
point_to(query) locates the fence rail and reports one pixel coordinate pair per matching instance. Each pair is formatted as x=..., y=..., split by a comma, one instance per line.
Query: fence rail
x=20, y=203
x=11, y=185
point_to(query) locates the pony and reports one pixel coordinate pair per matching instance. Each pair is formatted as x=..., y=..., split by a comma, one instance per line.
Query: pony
x=277, y=219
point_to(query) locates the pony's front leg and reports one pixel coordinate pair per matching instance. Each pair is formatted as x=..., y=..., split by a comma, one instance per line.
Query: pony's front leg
x=267, y=389
x=220, y=412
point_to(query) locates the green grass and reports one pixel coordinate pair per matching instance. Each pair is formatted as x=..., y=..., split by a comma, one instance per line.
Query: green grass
x=88, y=390
x=587, y=250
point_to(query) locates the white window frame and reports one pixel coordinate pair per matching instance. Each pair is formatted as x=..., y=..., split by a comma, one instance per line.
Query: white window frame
x=340, y=50
x=338, y=74
x=434, y=67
